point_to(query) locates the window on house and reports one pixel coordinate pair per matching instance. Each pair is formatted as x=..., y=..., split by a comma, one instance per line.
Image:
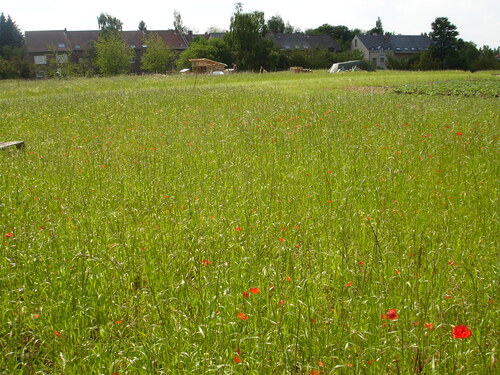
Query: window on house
x=132, y=46
x=77, y=46
x=374, y=60
x=144, y=46
x=40, y=60
x=61, y=45
x=62, y=59
x=382, y=60
x=132, y=60
x=355, y=42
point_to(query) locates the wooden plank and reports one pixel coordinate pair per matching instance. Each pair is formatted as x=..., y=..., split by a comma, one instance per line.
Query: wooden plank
x=17, y=144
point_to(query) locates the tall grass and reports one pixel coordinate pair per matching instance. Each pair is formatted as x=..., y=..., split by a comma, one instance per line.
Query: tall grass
x=143, y=209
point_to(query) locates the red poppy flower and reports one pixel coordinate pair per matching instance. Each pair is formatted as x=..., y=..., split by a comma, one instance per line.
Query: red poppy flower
x=206, y=262
x=242, y=316
x=119, y=321
x=314, y=372
x=461, y=332
x=282, y=240
x=429, y=326
x=237, y=359
x=254, y=290
x=237, y=229
x=245, y=294
x=349, y=283
x=9, y=235
x=391, y=314
x=460, y=133
x=58, y=334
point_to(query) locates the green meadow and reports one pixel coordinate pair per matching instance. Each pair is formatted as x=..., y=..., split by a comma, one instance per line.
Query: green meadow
x=251, y=224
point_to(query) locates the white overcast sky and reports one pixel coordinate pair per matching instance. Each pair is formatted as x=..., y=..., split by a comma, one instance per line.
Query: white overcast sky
x=476, y=20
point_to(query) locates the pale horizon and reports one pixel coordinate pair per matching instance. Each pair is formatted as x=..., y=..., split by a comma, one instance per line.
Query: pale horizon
x=476, y=22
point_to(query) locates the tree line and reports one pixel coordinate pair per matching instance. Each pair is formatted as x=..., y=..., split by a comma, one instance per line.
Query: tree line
x=244, y=44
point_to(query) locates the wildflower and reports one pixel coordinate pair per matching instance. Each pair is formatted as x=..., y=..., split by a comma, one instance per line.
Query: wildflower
x=237, y=358
x=460, y=133
x=349, y=283
x=9, y=235
x=58, y=334
x=314, y=372
x=429, y=326
x=391, y=314
x=238, y=229
x=461, y=332
x=119, y=321
x=242, y=316
x=254, y=290
x=396, y=272
x=245, y=294
x=282, y=240
x=287, y=278
x=36, y=316
x=206, y=262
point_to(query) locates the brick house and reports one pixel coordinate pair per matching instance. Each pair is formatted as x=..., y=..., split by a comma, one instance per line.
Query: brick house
x=72, y=45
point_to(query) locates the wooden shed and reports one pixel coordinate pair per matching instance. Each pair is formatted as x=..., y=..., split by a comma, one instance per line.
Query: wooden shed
x=206, y=66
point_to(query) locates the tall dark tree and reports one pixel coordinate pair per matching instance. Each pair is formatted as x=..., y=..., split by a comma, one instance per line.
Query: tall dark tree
x=342, y=34
x=142, y=26
x=275, y=24
x=10, y=35
x=245, y=38
x=13, y=62
x=178, y=24
x=444, y=41
x=378, y=29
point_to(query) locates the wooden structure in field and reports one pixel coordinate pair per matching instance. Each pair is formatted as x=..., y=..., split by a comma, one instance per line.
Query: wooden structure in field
x=299, y=69
x=17, y=144
x=206, y=66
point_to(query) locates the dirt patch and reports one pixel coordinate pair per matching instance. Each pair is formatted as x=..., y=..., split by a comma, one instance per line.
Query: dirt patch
x=370, y=89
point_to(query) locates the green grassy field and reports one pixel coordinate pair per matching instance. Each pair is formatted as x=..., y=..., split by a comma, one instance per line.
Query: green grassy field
x=251, y=224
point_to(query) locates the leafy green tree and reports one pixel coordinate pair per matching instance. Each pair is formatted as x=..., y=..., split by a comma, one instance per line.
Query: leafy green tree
x=213, y=49
x=108, y=23
x=444, y=43
x=290, y=29
x=113, y=55
x=486, y=60
x=158, y=57
x=275, y=24
x=245, y=37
